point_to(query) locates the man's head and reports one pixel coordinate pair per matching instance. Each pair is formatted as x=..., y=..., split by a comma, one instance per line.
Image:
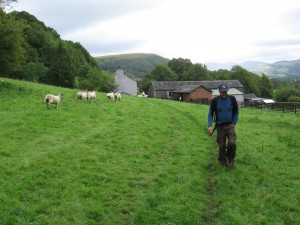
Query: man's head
x=223, y=88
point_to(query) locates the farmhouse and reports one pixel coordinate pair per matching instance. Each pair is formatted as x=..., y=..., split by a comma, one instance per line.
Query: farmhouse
x=125, y=84
x=193, y=91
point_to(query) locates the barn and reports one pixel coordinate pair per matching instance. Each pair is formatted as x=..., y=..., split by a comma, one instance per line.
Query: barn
x=191, y=93
x=190, y=90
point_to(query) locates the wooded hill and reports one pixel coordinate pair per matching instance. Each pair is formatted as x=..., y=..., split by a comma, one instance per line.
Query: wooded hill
x=29, y=50
x=281, y=69
x=136, y=65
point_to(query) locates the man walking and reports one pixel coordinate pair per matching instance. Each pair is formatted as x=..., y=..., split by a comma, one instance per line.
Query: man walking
x=224, y=110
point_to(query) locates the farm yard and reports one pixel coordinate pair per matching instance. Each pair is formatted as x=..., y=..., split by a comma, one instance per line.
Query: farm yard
x=140, y=161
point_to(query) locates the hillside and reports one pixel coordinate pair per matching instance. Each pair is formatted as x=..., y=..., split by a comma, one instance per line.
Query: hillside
x=140, y=161
x=34, y=52
x=281, y=69
x=136, y=65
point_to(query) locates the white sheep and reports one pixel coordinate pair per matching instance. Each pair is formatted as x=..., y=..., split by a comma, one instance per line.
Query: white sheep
x=117, y=96
x=143, y=95
x=110, y=96
x=82, y=95
x=91, y=95
x=53, y=99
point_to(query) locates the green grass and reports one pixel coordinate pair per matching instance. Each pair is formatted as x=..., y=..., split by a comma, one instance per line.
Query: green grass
x=140, y=161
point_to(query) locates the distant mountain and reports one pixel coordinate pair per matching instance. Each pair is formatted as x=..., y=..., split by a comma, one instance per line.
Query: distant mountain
x=248, y=65
x=138, y=65
x=135, y=65
x=281, y=69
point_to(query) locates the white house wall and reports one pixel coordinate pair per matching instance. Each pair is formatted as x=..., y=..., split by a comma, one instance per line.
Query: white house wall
x=125, y=84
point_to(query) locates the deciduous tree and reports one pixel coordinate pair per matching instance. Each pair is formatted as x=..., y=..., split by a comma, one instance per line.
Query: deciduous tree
x=180, y=66
x=12, y=44
x=266, y=87
x=163, y=73
x=196, y=72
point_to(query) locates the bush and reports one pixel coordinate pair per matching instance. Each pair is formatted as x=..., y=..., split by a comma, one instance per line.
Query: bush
x=294, y=99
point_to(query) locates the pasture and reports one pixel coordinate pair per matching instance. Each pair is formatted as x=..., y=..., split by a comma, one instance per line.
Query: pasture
x=140, y=161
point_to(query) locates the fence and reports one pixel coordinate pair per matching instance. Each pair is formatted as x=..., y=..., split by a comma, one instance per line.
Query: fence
x=280, y=106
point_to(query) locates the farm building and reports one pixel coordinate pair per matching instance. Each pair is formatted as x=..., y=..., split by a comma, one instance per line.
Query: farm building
x=232, y=91
x=125, y=84
x=248, y=97
x=189, y=93
x=193, y=91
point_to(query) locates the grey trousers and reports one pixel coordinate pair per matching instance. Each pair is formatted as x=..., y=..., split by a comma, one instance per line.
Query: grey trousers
x=226, y=138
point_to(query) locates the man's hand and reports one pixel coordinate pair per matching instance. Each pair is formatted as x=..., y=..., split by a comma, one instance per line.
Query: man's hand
x=210, y=130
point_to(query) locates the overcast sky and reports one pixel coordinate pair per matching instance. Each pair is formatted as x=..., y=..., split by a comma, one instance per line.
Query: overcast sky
x=200, y=30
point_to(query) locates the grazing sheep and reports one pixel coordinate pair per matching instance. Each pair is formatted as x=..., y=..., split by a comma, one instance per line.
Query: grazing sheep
x=53, y=99
x=143, y=95
x=117, y=96
x=82, y=95
x=91, y=95
x=110, y=96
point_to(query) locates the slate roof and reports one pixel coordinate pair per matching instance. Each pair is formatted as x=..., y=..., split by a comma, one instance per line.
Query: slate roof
x=231, y=91
x=188, y=88
x=173, y=85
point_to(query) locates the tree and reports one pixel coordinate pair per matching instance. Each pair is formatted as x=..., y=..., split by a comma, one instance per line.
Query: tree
x=12, y=44
x=285, y=92
x=107, y=82
x=35, y=72
x=266, y=87
x=196, y=72
x=180, y=66
x=220, y=74
x=163, y=73
x=62, y=72
x=248, y=79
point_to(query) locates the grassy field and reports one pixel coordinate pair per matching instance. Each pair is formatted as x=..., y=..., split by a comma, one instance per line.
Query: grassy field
x=140, y=161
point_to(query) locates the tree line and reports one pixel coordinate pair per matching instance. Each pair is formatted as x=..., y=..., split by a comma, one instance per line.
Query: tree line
x=31, y=51
x=262, y=86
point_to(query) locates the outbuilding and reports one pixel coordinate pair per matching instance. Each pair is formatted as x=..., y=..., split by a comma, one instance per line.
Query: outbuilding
x=192, y=93
x=232, y=91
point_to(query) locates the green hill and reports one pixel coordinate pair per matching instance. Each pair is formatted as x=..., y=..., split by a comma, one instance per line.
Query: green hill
x=136, y=65
x=281, y=69
x=140, y=161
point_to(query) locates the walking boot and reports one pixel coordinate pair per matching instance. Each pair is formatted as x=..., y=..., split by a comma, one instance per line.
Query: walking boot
x=231, y=164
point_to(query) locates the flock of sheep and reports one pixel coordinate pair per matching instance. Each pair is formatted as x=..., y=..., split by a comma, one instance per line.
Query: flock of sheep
x=83, y=95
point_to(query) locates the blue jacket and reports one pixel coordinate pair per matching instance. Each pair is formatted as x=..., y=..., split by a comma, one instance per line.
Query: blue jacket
x=226, y=111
